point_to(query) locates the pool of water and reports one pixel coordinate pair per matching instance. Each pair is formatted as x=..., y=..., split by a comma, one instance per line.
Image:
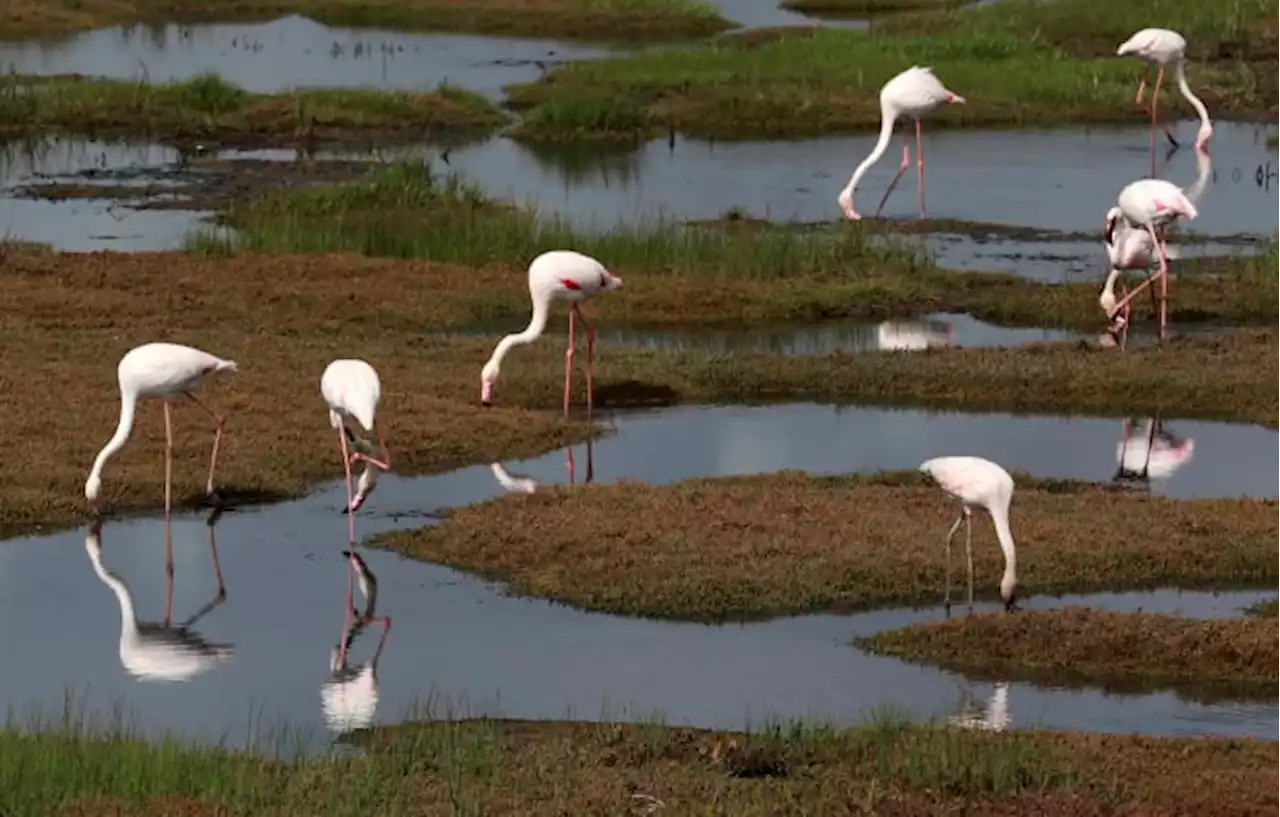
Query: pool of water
x=456, y=640
x=295, y=52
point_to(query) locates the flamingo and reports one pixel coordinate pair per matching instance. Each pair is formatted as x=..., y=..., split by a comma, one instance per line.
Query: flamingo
x=1148, y=205
x=1165, y=47
x=561, y=275
x=163, y=370
x=914, y=93
x=349, y=698
x=351, y=390
x=1134, y=249
x=980, y=483
x=161, y=652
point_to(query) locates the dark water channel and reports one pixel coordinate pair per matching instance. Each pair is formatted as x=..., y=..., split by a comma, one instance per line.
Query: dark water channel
x=462, y=647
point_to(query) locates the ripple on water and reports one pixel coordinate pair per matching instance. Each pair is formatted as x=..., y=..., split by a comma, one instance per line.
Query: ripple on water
x=485, y=653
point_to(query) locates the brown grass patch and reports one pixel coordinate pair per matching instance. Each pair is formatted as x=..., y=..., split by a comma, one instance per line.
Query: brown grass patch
x=1118, y=651
x=569, y=19
x=784, y=544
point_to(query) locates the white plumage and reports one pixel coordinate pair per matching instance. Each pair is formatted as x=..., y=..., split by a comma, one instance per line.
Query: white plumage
x=1164, y=47
x=978, y=483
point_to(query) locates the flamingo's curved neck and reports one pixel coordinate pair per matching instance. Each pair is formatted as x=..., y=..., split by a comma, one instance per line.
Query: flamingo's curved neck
x=537, y=322
x=1204, y=169
x=128, y=406
x=1000, y=517
x=887, y=118
x=1181, y=74
x=128, y=616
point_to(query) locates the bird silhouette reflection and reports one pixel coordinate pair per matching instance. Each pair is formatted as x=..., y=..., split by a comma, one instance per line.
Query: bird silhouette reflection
x=525, y=484
x=1147, y=450
x=162, y=651
x=992, y=716
x=349, y=698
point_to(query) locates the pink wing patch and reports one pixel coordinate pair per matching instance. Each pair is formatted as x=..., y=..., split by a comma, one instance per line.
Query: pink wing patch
x=569, y=283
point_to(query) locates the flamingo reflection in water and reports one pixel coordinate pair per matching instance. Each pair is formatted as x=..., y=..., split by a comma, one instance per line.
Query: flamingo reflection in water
x=914, y=335
x=349, y=698
x=152, y=651
x=1148, y=452
x=994, y=717
x=525, y=484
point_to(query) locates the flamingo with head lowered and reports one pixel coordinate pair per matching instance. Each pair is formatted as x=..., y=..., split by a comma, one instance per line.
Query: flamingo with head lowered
x=978, y=483
x=1165, y=47
x=559, y=275
x=914, y=93
x=166, y=371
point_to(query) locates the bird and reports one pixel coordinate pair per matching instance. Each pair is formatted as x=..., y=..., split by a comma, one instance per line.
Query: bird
x=1165, y=47
x=978, y=483
x=1149, y=205
x=352, y=391
x=994, y=717
x=152, y=651
x=163, y=370
x=558, y=275
x=515, y=483
x=349, y=698
x=1129, y=248
x=914, y=93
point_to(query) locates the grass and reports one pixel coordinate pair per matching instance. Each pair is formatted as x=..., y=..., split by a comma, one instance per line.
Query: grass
x=1119, y=651
x=615, y=20
x=680, y=273
x=540, y=769
x=1265, y=609
x=1017, y=63
x=210, y=109
x=784, y=544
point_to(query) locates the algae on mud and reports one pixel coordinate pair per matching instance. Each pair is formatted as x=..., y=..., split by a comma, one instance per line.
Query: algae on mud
x=542, y=768
x=785, y=544
x=616, y=20
x=1018, y=62
x=209, y=109
x=1125, y=652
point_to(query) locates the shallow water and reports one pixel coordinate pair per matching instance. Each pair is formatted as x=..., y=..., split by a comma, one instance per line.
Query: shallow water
x=295, y=52
x=475, y=651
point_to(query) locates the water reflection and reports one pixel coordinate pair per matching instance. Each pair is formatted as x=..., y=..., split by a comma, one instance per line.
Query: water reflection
x=914, y=335
x=525, y=484
x=349, y=698
x=1148, y=451
x=993, y=716
x=161, y=651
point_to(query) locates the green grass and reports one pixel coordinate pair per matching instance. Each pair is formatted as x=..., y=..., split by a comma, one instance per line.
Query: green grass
x=1021, y=62
x=1265, y=609
x=209, y=108
x=615, y=20
x=856, y=9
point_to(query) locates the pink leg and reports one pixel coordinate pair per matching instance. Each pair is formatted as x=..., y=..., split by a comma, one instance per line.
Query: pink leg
x=920, y=166
x=902, y=168
x=168, y=572
x=168, y=465
x=218, y=424
x=568, y=362
x=1142, y=85
x=384, y=463
x=591, y=358
x=1164, y=283
x=568, y=463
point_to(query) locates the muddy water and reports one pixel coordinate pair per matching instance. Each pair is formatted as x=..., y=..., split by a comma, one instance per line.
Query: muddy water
x=460, y=642
x=294, y=52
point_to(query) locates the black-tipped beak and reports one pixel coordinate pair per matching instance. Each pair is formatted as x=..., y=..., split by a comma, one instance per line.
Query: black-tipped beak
x=487, y=403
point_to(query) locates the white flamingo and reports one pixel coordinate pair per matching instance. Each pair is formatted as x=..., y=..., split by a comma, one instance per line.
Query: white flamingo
x=559, y=275
x=349, y=698
x=151, y=651
x=978, y=483
x=1149, y=205
x=1165, y=47
x=1130, y=248
x=352, y=391
x=166, y=371
x=914, y=93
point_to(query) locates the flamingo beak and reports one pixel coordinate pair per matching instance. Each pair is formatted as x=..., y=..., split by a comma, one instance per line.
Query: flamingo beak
x=486, y=394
